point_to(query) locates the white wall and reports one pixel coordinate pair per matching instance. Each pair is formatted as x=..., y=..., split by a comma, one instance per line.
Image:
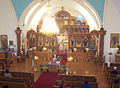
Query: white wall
x=111, y=24
x=8, y=20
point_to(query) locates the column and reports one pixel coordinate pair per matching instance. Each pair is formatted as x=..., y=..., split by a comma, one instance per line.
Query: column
x=102, y=32
x=18, y=33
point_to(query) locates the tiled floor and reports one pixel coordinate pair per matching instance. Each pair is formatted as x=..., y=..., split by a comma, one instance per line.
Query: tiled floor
x=80, y=67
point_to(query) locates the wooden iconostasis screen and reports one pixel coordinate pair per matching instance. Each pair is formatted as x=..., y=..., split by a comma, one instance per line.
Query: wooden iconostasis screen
x=77, y=31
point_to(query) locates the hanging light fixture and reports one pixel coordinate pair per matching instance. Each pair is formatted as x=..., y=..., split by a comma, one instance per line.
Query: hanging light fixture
x=49, y=26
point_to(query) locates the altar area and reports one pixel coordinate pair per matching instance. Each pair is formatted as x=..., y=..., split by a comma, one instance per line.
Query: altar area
x=74, y=39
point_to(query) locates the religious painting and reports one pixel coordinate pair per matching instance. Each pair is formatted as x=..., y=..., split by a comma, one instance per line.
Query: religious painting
x=85, y=41
x=40, y=40
x=11, y=43
x=71, y=30
x=87, y=30
x=63, y=15
x=94, y=41
x=114, y=40
x=79, y=30
x=83, y=30
x=72, y=22
x=53, y=41
x=4, y=41
x=78, y=41
x=46, y=41
x=32, y=37
x=76, y=30
x=79, y=22
x=92, y=44
x=72, y=41
x=84, y=22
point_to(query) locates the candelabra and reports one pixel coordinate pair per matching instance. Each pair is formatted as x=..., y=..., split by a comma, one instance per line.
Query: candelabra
x=70, y=60
x=110, y=54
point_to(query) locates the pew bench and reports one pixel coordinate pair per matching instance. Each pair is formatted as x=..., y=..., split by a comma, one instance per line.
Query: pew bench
x=16, y=79
x=24, y=75
x=13, y=84
x=27, y=75
x=78, y=83
x=71, y=77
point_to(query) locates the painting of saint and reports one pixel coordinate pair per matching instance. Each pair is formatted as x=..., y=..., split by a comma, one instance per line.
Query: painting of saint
x=53, y=41
x=72, y=22
x=72, y=41
x=40, y=41
x=76, y=30
x=78, y=41
x=4, y=42
x=114, y=42
x=79, y=22
x=32, y=37
x=92, y=44
x=79, y=30
x=46, y=41
x=72, y=30
x=85, y=41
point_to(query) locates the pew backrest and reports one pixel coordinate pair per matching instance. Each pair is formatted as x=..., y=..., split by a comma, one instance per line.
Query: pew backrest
x=16, y=79
x=13, y=84
x=82, y=78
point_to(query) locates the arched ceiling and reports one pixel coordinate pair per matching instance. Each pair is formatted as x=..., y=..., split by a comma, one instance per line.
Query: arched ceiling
x=20, y=6
x=29, y=12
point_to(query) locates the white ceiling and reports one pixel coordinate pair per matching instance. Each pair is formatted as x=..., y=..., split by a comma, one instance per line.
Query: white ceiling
x=36, y=10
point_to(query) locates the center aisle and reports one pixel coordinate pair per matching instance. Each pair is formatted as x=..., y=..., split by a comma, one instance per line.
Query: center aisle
x=46, y=80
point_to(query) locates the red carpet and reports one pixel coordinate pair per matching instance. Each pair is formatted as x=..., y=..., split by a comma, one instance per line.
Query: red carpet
x=46, y=80
x=64, y=59
x=63, y=55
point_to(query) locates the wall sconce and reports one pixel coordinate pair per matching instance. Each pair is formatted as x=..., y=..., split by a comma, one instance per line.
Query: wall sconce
x=44, y=48
x=87, y=49
x=70, y=59
x=75, y=49
x=34, y=48
x=36, y=58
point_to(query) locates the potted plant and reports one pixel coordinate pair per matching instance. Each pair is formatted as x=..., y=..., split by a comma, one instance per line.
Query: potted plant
x=45, y=68
x=61, y=69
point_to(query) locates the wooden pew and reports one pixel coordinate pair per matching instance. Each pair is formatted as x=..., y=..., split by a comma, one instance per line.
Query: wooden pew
x=107, y=70
x=70, y=77
x=28, y=75
x=78, y=83
x=112, y=65
x=12, y=84
x=16, y=79
x=24, y=75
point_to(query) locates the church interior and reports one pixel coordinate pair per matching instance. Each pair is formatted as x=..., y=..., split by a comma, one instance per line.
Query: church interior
x=46, y=42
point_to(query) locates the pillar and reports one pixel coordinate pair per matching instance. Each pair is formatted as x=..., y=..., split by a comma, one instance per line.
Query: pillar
x=102, y=32
x=18, y=33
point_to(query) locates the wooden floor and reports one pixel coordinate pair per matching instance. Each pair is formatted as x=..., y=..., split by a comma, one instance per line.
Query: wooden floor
x=86, y=68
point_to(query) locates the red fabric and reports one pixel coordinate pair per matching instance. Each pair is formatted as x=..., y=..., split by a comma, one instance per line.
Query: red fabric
x=46, y=80
x=64, y=59
x=58, y=50
x=27, y=43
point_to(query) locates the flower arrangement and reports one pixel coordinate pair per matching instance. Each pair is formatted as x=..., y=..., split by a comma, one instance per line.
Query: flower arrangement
x=45, y=68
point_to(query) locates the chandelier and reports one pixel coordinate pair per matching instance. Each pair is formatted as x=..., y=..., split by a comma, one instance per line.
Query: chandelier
x=49, y=26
